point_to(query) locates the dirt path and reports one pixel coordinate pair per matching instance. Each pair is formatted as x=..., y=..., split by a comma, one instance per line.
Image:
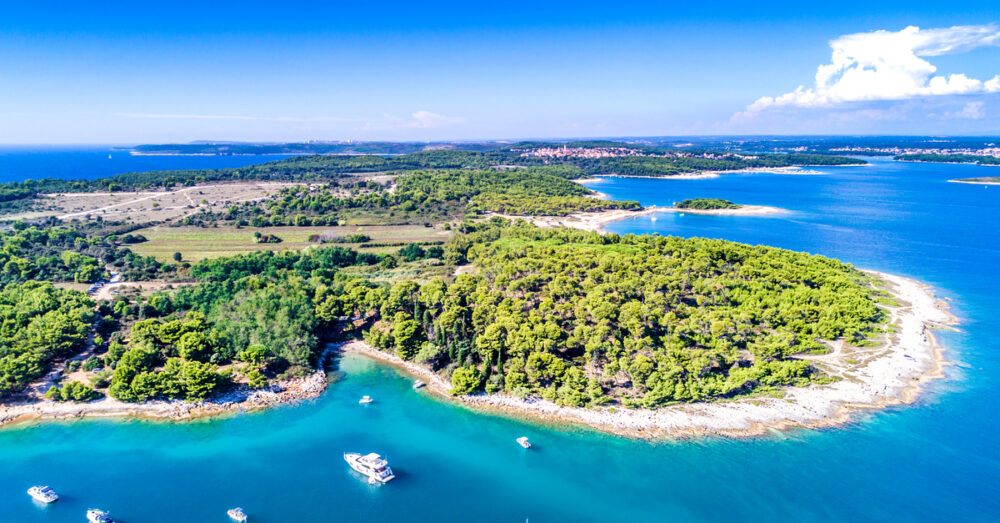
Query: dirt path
x=130, y=202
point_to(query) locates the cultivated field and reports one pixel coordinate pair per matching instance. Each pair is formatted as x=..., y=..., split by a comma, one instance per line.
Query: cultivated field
x=196, y=243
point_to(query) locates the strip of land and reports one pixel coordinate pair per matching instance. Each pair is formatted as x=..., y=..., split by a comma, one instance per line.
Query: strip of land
x=595, y=221
x=743, y=210
x=869, y=378
x=986, y=180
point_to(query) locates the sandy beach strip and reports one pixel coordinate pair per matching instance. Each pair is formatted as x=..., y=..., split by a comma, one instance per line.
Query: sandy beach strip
x=976, y=182
x=701, y=175
x=595, y=221
x=743, y=210
x=588, y=221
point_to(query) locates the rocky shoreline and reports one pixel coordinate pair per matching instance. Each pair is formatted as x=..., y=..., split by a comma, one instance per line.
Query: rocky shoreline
x=238, y=400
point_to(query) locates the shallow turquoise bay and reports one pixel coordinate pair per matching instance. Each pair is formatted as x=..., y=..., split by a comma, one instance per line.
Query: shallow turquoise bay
x=935, y=460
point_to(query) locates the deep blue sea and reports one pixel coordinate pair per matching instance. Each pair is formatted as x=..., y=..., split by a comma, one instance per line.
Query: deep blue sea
x=936, y=460
x=96, y=161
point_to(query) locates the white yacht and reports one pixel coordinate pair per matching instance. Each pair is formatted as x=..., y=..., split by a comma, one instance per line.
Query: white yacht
x=43, y=494
x=98, y=516
x=418, y=384
x=237, y=514
x=371, y=465
x=523, y=441
x=366, y=399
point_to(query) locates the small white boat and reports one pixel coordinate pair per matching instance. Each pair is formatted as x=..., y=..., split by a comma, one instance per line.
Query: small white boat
x=418, y=384
x=366, y=399
x=43, y=494
x=237, y=514
x=371, y=465
x=99, y=516
x=523, y=441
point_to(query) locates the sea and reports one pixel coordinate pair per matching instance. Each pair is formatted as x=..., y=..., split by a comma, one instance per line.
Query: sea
x=935, y=460
x=19, y=162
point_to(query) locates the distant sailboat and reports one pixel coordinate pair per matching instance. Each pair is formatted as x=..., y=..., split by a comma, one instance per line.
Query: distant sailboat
x=109, y=156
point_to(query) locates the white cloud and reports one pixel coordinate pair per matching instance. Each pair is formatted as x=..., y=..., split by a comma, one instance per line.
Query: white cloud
x=425, y=120
x=971, y=111
x=886, y=65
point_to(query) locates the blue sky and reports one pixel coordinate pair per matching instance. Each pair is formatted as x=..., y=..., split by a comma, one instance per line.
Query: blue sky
x=134, y=73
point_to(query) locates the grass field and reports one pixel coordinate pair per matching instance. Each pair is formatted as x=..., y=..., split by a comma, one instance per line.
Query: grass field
x=420, y=271
x=82, y=287
x=196, y=243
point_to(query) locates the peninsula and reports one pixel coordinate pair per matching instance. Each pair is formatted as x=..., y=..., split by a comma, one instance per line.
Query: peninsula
x=411, y=254
x=991, y=158
x=717, y=206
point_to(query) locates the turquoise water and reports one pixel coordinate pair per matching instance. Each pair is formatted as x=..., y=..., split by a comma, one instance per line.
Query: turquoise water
x=936, y=460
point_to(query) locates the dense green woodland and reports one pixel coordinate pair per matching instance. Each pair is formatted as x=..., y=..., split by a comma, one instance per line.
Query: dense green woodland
x=60, y=253
x=267, y=313
x=422, y=195
x=579, y=318
x=587, y=319
x=949, y=158
x=39, y=324
x=706, y=204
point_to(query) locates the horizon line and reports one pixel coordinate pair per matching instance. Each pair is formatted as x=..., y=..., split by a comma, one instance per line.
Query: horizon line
x=994, y=134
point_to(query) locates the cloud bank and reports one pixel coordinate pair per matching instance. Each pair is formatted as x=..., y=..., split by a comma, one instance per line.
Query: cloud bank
x=886, y=65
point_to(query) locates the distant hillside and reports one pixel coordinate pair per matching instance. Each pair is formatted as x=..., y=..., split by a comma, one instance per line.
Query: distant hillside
x=950, y=158
x=346, y=148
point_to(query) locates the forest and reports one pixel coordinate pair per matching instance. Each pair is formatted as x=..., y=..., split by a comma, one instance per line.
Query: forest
x=421, y=195
x=579, y=318
x=263, y=315
x=588, y=319
x=40, y=324
x=706, y=204
x=54, y=252
x=949, y=158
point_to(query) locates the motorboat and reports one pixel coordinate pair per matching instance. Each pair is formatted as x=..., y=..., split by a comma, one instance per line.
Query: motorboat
x=99, y=516
x=237, y=514
x=371, y=465
x=366, y=399
x=523, y=441
x=418, y=384
x=43, y=494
